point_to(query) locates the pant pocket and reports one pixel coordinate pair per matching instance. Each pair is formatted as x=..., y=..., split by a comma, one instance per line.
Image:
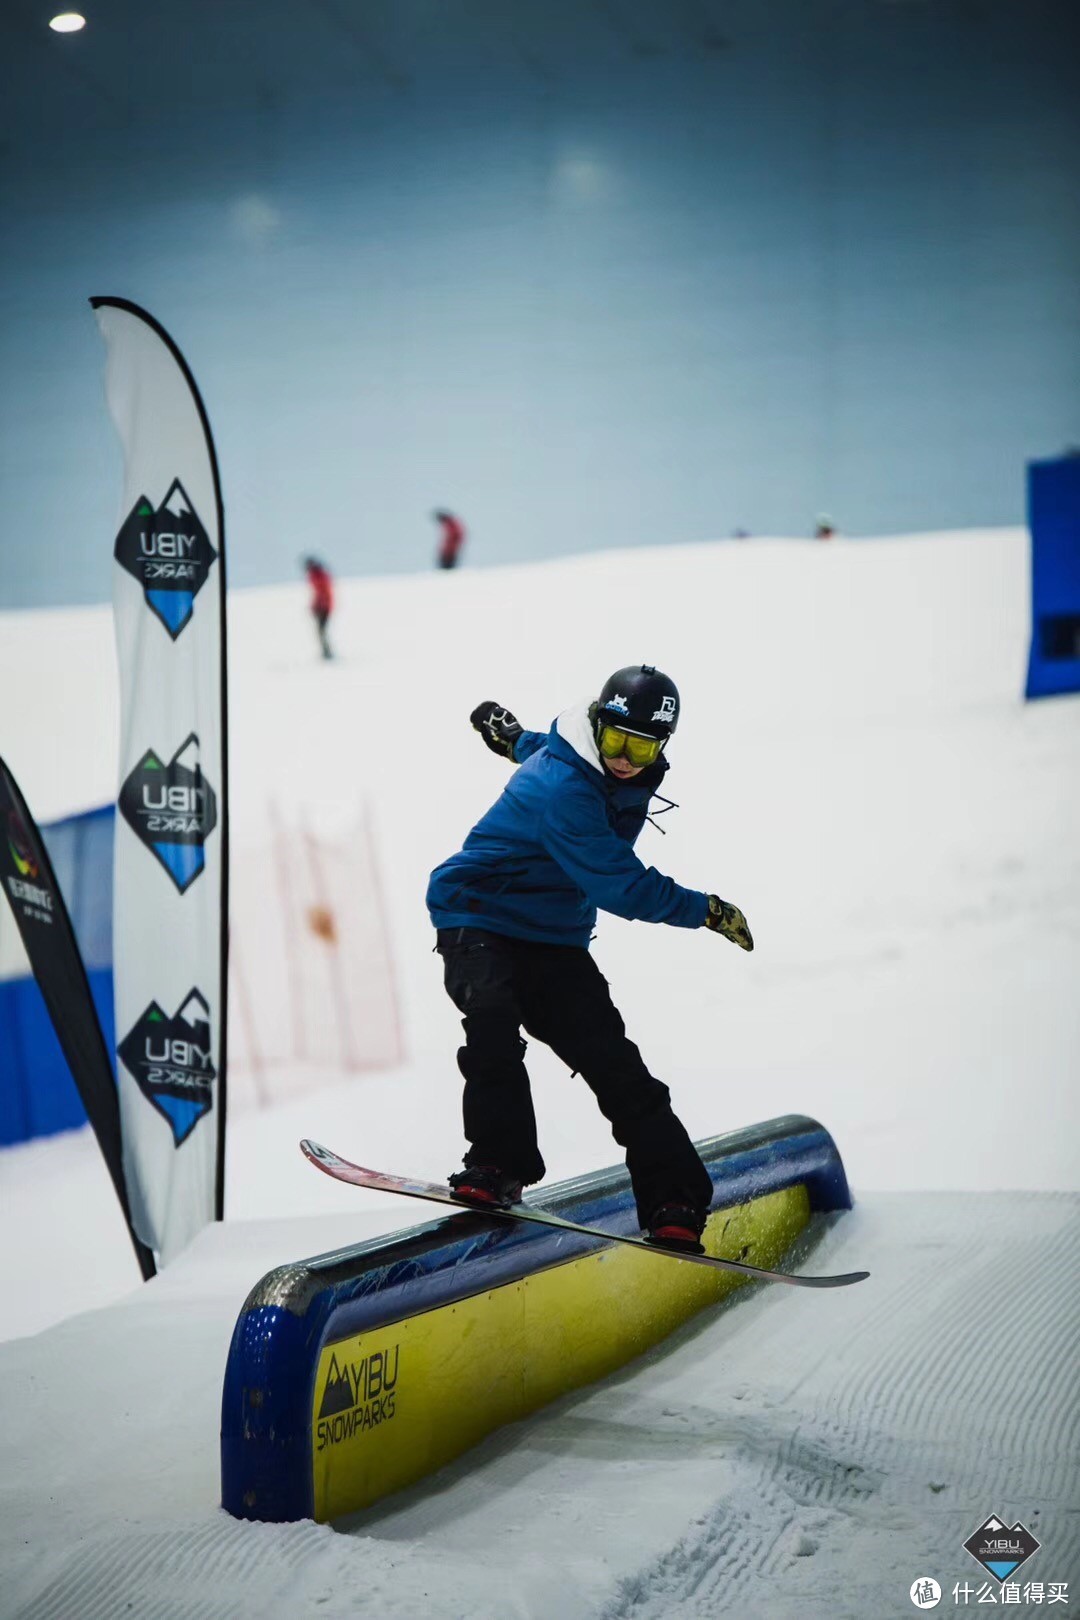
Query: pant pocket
x=474, y=977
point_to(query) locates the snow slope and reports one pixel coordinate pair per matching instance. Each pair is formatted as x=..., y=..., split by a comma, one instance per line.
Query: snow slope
x=785, y=1458
x=856, y=770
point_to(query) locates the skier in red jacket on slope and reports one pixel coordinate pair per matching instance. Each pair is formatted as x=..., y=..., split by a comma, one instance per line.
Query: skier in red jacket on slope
x=451, y=538
x=322, y=599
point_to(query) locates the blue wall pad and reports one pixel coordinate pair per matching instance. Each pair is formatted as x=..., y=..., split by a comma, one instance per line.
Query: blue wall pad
x=37, y=1093
x=1054, y=519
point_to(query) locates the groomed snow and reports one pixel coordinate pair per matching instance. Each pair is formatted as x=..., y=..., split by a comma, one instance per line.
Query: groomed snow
x=856, y=770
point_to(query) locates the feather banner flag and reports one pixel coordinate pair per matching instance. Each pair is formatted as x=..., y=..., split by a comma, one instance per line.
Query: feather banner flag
x=170, y=904
x=41, y=916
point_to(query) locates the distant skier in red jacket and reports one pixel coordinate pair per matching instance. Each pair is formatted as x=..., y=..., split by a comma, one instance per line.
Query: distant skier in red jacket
x=322, y=599
x=451, y=538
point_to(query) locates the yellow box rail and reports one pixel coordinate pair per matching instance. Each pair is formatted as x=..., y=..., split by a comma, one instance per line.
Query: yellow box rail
x=356, y=1373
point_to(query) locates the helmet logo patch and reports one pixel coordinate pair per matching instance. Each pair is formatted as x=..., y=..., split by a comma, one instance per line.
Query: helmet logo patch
x=617, y=702
x=666, y=711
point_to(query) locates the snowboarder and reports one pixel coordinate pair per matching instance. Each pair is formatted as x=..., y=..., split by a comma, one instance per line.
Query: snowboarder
x=451, y=538
x=322, y=599
x=514, y=912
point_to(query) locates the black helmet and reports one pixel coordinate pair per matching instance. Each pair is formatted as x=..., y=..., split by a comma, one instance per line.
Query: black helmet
x=641, y=700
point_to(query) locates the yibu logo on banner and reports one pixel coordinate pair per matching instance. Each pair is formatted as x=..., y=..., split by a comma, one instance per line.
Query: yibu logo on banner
x=173, y=809
x=167, y=549
x=169, y=1059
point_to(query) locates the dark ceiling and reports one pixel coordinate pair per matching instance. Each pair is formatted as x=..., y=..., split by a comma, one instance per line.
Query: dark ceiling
x=173, y=60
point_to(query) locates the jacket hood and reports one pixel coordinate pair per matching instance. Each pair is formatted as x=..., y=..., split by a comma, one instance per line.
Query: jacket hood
x=574, y=729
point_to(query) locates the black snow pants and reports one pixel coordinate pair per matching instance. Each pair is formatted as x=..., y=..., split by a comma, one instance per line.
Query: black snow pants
x=322, y=620
x=559, y=996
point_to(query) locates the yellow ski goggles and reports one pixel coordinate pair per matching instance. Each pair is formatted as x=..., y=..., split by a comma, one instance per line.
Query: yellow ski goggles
x=638, y=750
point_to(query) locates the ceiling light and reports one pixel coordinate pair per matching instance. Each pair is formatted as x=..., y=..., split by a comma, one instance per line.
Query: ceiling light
x=68, y=22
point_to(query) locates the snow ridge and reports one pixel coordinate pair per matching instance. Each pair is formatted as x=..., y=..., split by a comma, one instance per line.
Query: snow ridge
x=163, y=1574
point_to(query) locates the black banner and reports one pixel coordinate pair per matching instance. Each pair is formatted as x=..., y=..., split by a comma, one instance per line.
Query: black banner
x=28, y=881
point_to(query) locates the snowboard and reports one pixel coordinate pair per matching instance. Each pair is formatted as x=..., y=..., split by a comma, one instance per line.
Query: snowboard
x=434, y=1192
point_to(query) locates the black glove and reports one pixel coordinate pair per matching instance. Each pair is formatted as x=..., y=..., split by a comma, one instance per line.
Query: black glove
x=498, y=728
x=728, y=920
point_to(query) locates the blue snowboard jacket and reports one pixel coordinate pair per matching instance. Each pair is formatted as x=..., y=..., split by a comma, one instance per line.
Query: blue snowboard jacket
x=558, y=845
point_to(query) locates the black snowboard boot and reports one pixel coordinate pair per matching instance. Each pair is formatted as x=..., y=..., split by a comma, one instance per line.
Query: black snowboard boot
x=678, y=1226
x=486, y=1184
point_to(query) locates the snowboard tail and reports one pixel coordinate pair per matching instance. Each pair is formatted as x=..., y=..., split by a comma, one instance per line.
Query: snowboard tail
x=332, y=1164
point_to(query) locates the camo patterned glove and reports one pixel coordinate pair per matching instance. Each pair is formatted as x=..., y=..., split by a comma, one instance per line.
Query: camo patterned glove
x=728, y=920
x=498, y=728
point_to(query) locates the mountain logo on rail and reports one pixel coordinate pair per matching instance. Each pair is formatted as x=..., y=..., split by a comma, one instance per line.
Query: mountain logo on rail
x=358, y=1394
x=172, y=809
x=338, y=1395
x=1000, y=1549
x=167, y=549
x=170, y=1060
